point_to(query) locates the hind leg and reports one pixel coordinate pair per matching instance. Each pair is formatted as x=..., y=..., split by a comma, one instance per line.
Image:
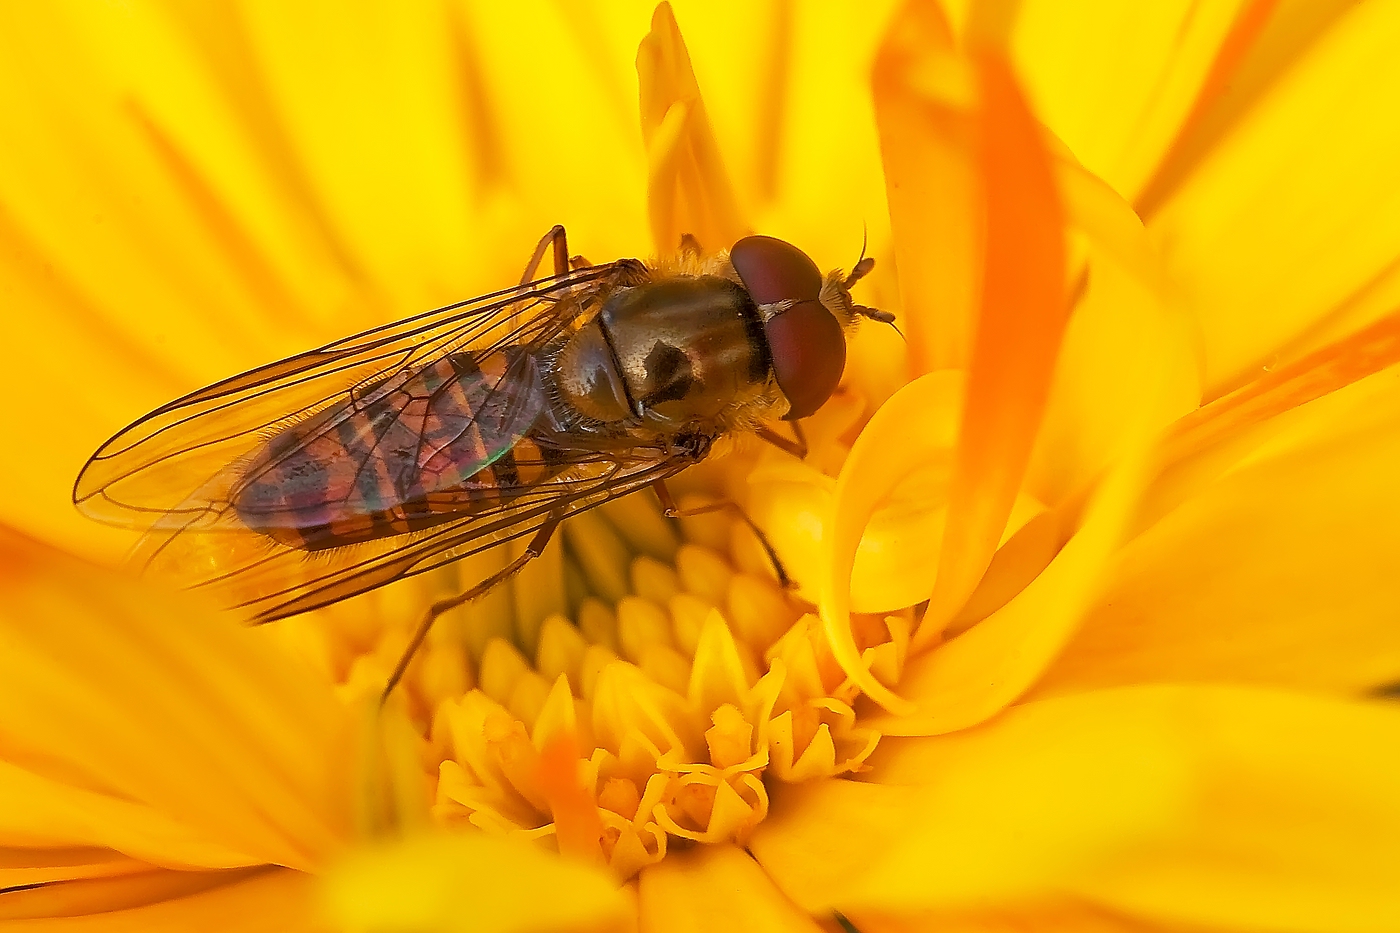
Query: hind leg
x=532, y=550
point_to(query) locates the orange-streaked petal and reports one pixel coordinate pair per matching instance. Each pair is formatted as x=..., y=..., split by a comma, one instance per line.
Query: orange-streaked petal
x=688, y=190
x=171, y=902
x=925, y=99
x=147, y=697
x=471, y=883
x=1280, y=572
x=1264, y=40
x=1021, y=322
x=1117, y=82
x=1204, y=444
x=1224, y=807
x=714, y=888
x=1288, y=234
x=1327, y=369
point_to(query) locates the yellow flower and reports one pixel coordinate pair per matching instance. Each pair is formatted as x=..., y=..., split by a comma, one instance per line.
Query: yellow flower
x=1095, y=605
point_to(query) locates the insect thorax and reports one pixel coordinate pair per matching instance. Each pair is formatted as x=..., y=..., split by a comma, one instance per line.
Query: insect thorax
x=683, y=351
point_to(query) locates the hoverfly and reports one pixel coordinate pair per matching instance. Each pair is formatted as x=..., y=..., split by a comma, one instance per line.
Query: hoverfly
x=400, y=449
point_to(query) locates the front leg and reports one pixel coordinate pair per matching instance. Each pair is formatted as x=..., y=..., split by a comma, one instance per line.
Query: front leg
x=797, y=446
x=557, y=241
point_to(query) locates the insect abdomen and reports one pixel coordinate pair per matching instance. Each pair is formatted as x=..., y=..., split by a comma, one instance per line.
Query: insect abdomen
x=446, y=442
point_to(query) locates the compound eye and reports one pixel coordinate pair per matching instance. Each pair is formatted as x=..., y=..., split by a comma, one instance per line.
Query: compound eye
x=809, y=354
x=775, y=270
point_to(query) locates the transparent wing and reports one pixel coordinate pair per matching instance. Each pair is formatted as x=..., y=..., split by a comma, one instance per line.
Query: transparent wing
x=175, y=472
x=173, y=468
x=270, y=581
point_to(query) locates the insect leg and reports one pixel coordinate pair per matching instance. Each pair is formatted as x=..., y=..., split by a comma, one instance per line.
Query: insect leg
x=532, y=550
x=797, y=447
x=557, y=238
x=668, y=505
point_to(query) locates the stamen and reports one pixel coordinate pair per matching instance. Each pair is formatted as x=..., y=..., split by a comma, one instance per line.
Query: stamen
x=576, y=823
x=669, y=712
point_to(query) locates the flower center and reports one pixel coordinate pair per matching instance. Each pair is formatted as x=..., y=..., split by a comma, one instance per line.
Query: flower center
x=679, y=707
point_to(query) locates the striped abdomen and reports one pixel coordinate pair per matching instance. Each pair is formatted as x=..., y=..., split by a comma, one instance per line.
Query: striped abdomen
x=402, y=455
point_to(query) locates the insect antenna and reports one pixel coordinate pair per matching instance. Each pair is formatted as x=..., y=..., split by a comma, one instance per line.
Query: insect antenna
x=859, y=271
x=864, y=264
x=884, y=317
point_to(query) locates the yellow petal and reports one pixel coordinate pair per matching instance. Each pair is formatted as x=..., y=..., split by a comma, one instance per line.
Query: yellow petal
x=171, y=902
x=426, y=138
x=1222, y=807
x=688, y=190
x=1280, y=572
x=1290, y=224
x=983, y=815
x=1291, y=820
x=44, y=812
x=134, y=220
x=826, y=186
x=112, y=277
x=1123, y=352
x=25, y=867
x=715, y=888
x=146, y=697
x=1126, y=343
x=468, y=882
x=821, y=835
x=1057, y=915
